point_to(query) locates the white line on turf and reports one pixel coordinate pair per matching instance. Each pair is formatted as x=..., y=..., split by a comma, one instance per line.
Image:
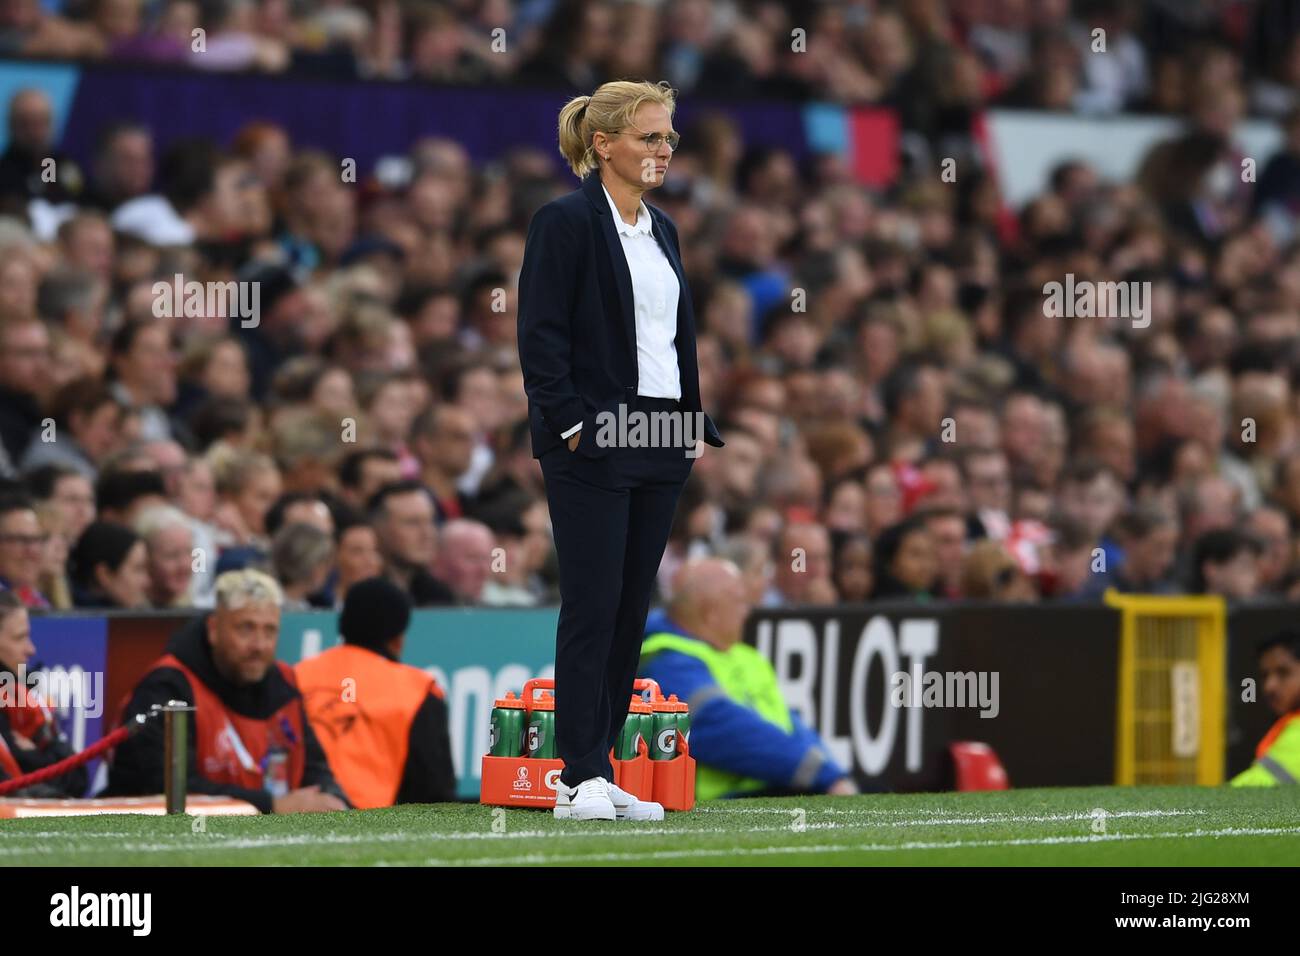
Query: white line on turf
x=982, y=820
x=543, y=859
x=211, y=840
x=993, y=817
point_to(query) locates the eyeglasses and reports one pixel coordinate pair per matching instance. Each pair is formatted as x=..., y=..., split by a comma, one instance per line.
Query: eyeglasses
x=31, y=540
x=652, y=141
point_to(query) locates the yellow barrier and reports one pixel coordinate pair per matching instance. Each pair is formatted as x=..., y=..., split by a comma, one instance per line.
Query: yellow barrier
x=1171, y=697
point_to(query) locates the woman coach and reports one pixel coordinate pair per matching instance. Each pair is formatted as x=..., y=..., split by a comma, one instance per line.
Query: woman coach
x=605, y=320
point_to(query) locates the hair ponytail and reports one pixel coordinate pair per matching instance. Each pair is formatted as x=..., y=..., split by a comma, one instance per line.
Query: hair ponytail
x=575, y=136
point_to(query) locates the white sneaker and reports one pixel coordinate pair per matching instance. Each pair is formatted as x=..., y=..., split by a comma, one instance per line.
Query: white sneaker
x=589, y=800
x=629, y=807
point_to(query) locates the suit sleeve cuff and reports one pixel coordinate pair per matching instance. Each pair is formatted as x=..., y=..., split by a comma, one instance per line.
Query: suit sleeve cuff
x=572, y=431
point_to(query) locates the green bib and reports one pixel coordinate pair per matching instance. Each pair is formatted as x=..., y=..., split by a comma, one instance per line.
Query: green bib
x=747, y=678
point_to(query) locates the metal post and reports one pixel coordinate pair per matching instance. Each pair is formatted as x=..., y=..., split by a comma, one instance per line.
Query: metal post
x=175, y=752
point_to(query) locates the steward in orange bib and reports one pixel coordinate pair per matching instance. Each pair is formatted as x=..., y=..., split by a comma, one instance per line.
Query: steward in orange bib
x=383, y=724
x=249, y=737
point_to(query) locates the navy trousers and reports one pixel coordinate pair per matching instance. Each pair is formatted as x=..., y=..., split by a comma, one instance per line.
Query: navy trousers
x=610, y=517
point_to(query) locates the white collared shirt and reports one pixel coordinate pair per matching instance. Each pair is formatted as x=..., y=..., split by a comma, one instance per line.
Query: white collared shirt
x=655, y=295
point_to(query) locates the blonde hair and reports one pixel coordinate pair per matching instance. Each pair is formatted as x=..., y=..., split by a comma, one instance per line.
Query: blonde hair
x=609, y=110
x=238, y=589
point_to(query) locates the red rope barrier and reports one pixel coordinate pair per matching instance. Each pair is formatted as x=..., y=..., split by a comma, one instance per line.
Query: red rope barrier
x=68, y=763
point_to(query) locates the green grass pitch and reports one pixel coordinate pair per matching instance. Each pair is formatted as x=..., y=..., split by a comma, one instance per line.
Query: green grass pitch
x=1137, y=826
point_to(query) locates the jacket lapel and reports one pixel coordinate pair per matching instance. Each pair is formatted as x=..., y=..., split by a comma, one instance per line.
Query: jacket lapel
x=591, y=185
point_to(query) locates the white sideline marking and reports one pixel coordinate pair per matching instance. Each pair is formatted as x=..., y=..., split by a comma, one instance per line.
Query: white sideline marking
x=210, y=841
x=545, y=859
x=471, y=835
x=995, y=817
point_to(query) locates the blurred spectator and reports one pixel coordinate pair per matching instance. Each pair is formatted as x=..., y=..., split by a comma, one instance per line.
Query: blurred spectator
x=121, y=495
x=109, y=567
x=1273, y=533
x=24, y=377
x=521, y=528
x=403, y=518
x=144, y=375
x=302, y=556
x=802, y=563
x=1226, y=562
x=22, y=543
x=365, y=471
x=905, y=564
x=947, y=528
x=464, y=558
x=442, y=440
x=754, y=561
x=851, y=563
x=31, y=142
x=1149, y=538
x=247, y=485
x=356, y=556
x=88, y=424
x=52, y=579
x=299, y=507
x=68, y=492
x=169, y=544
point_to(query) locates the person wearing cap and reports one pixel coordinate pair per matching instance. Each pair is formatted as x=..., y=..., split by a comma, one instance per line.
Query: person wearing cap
x=249, y=736
x=383, y=723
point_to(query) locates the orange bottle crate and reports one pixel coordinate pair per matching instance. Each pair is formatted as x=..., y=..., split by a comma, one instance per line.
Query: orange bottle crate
x=530, y=782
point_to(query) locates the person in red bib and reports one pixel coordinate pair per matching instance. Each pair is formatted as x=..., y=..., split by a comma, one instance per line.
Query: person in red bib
x=249, y=737
x=30, y=739
x=383, y=724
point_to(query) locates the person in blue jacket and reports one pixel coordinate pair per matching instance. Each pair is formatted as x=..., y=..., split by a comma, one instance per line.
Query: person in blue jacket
x=744, y=738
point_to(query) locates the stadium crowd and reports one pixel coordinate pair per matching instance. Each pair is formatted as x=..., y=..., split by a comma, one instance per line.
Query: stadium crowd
x=931, y=59
x=904, y=416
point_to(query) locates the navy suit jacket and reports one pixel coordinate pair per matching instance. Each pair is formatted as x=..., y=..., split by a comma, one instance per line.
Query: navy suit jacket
x=577, y=329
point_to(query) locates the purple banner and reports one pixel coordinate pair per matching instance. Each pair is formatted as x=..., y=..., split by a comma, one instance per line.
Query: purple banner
x=364, y=120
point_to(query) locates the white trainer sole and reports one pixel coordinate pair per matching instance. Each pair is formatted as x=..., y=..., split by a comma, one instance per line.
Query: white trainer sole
x=566, y=812
x=654, y=813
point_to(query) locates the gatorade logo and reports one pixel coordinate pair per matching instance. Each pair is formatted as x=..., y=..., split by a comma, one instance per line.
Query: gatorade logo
x=552, y=779
x=534, y=738
x=667, y=740
x=492, y=736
